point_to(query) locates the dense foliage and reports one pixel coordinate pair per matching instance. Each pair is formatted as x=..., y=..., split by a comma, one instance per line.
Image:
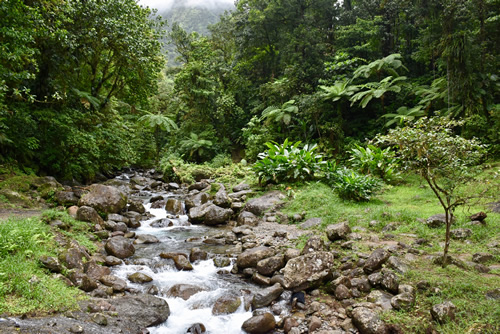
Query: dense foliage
x=74, y=76
x=84, y=89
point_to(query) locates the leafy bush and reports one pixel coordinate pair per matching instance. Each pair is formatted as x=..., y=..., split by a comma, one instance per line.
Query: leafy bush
x=350, y=185
x=288, y=162
x=373, y=160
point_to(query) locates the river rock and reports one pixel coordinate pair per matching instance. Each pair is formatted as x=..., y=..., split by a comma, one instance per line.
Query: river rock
x=241, y=187
x=66, y=198
x=184, y=291
x=120, y=247
x=338, y=231
x=136, y=206
x=73, y=258
x=197, y=213
x=181, y=261
x=114, y=282
x=146, y=239
x=120, y=227
x=390, y=281
x=271, y=264
x=221, y=198
x=443, y=312
x=436, y=220
x=314, y=244
x=259, y=324
x=197, y=328
x=104, y=198
x=250, y=257
x=266, y=296
x=247, y=218
x=240, y=195
x=226, y=305
x=398, y=265
x=95, y=270
x=87, y=284
x=480, y=216
x=482, y=257
x=367, y=321
x=258, y=206
x=160, y=204
x=311, y=222
x=163, y=222
x=380, y=298
x=403, y=301
x=143, y=310
x=376, y=259
x=461, y=233
x=174, y=206
x=51, y=263
x=342, y=292
x=307, y=270
x=198, y=186
x=216, y=215
x=196, y=200
x=139, y=277
x=89, y=214
x=112, y=261
x=197, y=254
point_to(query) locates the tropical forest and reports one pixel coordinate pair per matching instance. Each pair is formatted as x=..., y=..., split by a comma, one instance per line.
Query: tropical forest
x=250, y=166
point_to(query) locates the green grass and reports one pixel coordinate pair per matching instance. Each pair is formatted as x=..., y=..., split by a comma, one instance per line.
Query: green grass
x=407, y=204
x=25, y=287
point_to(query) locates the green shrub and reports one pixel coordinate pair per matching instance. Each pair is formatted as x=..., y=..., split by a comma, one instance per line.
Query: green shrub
x=374, y=161
x=288, y=162
x=350, y=185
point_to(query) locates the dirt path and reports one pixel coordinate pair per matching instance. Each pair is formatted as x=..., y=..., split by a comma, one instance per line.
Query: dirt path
x=18, y=213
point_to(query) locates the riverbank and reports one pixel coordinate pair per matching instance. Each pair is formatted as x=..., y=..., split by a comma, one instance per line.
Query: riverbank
x=300, y=222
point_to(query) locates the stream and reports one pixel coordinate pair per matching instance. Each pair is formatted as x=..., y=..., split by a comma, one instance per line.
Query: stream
x=215, y=281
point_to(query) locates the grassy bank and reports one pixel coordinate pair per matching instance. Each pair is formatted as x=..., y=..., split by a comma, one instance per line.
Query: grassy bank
x=404, y=207
x=26, y=287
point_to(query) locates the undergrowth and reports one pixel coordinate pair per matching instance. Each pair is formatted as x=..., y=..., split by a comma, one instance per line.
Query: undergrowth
x=26, y=287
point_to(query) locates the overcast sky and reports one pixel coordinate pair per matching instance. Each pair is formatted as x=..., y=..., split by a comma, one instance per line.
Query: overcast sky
x=165, y=4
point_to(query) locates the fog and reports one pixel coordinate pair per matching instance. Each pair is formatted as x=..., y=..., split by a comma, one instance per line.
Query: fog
x=162, y=5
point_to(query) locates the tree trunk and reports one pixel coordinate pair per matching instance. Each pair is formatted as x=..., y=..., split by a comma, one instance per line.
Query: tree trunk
x=449, y=220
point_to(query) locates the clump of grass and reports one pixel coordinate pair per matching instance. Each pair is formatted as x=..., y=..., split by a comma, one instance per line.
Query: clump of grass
x=465, y=288
x=78, y=231
x=24, y=285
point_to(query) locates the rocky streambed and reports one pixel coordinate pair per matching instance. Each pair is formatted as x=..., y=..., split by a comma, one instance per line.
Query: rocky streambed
x=204, y=259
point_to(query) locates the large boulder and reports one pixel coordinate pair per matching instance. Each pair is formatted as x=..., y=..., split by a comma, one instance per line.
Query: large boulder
x=216, y=215
x=120, y=247
x=258, y=206
x=307, y=270
x=181, y=261
x=104, y=198
x=251, y=257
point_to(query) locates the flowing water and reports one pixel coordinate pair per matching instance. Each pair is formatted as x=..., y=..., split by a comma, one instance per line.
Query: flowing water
x=215, y=281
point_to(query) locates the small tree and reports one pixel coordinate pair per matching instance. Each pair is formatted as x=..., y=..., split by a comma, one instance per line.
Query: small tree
x=446, y=161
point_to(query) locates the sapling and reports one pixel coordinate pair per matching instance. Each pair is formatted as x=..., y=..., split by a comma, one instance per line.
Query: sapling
x=446, y=161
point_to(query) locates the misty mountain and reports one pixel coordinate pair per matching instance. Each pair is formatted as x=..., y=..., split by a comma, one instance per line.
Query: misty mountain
x=195, y=15
x=191, y=15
